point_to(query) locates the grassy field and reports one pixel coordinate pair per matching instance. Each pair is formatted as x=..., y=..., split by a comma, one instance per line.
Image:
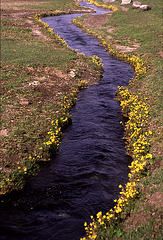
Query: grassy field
x=36, y=83
x=38, y=5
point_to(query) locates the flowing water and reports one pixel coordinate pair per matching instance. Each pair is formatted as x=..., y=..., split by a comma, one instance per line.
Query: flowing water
x=84, y=177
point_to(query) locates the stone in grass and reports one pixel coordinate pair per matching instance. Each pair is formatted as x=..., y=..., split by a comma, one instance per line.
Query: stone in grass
x=136, y=4
x=144, y=8
x=126, y=2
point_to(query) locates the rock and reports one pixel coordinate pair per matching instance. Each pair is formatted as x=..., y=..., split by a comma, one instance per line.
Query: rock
x=4, y=133
x=145, y=7
x=24, y=101
x=34, y=83
x=126, y=2
x=136, y=4
x=72, y=73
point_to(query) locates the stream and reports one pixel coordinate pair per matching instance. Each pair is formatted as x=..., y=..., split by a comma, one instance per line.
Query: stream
x=83, y=178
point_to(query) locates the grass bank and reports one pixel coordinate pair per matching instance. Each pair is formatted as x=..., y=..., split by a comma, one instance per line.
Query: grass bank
x=135, y=37
x=40, y=79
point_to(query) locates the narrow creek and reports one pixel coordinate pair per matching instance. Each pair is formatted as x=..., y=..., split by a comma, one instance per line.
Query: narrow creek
x=84, y=177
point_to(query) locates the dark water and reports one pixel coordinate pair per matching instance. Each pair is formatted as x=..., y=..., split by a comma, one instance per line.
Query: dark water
x=83, y=179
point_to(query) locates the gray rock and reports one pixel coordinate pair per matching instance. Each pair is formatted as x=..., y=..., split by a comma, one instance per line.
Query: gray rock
x=126, y=2
x=136, y=4
x=145, y=7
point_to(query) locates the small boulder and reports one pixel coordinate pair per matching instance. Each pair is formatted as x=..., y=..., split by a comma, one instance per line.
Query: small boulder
x=72, y=73
x=145, y=7
x=126, y=2
x=136, y=4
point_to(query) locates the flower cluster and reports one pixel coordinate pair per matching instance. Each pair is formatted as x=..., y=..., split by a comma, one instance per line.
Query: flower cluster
x=50, y=30
x=57, y=126
x=53, y=134
x=113, y=8
x=98, y=228
x=137, y=138
x=97, y=60
x=76, y=3
x=51, y=13
x=37, y=17
x=16, y=179
x=136, y=132
x=136, y=62
x=61, y=40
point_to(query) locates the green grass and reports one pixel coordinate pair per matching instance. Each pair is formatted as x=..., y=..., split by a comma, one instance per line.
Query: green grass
x=20, y=49
x=35, y=54
x=43, y=5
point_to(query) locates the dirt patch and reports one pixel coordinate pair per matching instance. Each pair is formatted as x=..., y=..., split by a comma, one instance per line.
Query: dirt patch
x=121, y=48
x=160, y=53
x=97, y=20
x=51, y=85
x=18, y=15
x=148, y=210
x=124, y=9
x=136, y=220
x=111, y=30
x=60, y=74
x=156, y=199
x=109, y=37
x=36, y=30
